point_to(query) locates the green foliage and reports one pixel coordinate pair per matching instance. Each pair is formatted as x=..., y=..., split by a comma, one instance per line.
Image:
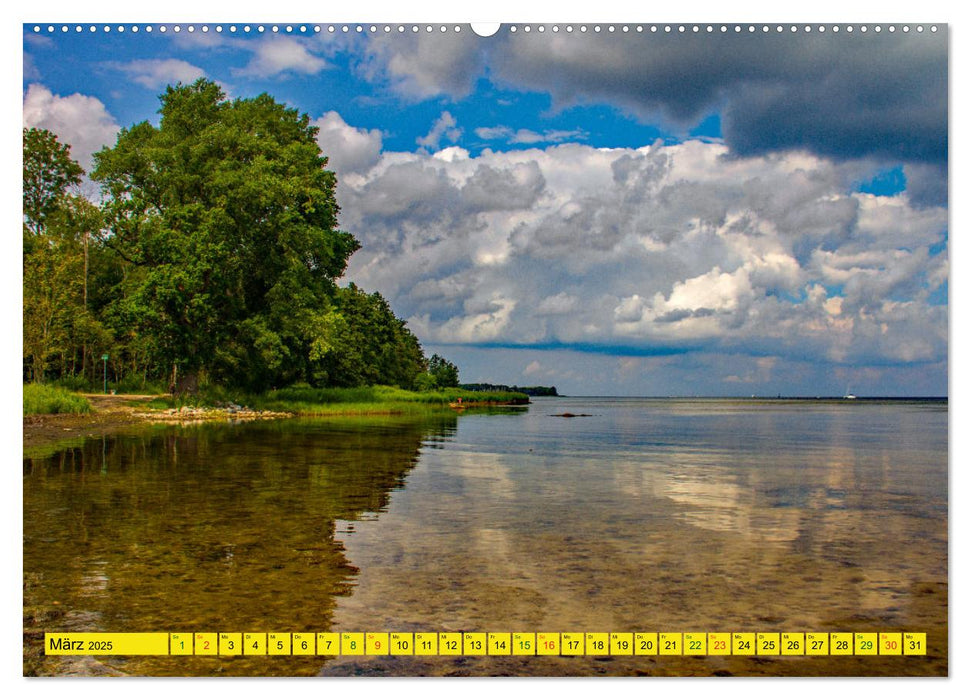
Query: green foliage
x=213, y=260
x=226, y=217
x=58, y=225
x=443, y=372
x=41, y=399
x=367, y=344
x=49, y=172
x=370, y=399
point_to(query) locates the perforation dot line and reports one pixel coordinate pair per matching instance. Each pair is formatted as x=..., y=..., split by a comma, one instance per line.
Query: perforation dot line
x=309, y=29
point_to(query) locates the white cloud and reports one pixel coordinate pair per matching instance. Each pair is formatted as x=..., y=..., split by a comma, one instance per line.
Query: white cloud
x=658, y=249
x=282, y=56
x=419, y=66
x=157, y=73
x=528, y=136
x=560, y=303
x=444, y=127
x=79, y=120
x=349, y=149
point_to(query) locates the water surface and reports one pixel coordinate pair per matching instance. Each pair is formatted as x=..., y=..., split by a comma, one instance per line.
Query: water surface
x=645, y=515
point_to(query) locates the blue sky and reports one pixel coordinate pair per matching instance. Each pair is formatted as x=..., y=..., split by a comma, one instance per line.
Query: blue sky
x=633, y=213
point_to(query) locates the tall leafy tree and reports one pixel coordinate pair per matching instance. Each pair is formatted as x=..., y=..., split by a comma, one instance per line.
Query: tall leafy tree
x=370, y=344
x=49, y=173
x=58, y=225
x=226, y=219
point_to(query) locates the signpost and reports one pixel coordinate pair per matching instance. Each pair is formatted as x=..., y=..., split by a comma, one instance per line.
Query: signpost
x=104, y=358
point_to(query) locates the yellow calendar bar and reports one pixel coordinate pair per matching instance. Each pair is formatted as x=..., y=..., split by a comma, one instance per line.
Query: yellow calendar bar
x=106, y=644
x=565, y=644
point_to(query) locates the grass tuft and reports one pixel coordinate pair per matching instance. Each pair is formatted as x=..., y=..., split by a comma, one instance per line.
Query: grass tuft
x=43, y=399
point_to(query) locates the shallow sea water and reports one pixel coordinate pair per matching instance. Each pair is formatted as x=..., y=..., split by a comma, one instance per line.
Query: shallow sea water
x=643, y=515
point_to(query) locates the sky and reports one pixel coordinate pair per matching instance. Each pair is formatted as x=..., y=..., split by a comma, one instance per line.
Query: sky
x=611, y=212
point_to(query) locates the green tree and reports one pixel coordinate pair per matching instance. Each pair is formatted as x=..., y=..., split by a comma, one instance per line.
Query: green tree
x=444, y=373
x=370, y=345
x=49, y=172
x=225, y=217
x=58, y=226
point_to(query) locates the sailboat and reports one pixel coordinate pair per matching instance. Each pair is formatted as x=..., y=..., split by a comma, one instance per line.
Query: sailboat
x=848, y=395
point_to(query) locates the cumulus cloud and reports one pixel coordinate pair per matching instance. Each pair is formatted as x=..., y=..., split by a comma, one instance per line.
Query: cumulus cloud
x=881, y=96
x=445, y=127
x=281, y=56
x=79, y=120
x=419, y=66
x=658, y=250
x=348, y=149
x=157, y=73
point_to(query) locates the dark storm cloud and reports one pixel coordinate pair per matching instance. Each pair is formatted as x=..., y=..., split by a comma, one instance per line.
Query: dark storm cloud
x=839, y=94
x=836, y=94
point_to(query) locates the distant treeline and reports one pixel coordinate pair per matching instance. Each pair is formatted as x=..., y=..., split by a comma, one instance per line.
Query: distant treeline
x=212, y=258
x=528, y=390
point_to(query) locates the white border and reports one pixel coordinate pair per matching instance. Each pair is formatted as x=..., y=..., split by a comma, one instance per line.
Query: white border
x=619, y=11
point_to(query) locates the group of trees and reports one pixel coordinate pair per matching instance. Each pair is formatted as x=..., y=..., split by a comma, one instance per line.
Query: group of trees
x=213, y=257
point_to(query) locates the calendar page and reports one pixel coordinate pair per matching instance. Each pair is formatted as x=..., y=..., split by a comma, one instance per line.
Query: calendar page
x=523, y=349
